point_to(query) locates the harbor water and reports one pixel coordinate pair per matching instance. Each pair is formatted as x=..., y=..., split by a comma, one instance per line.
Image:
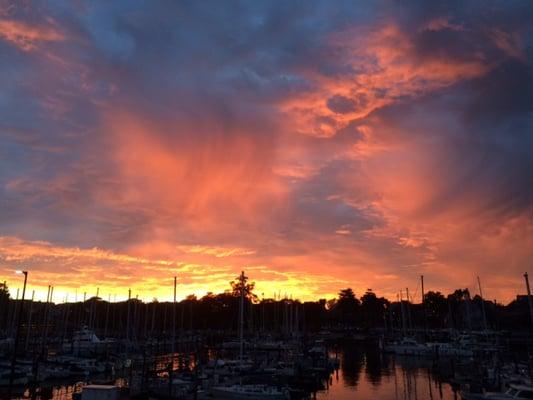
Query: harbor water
x=364, y=373
x=367, y=374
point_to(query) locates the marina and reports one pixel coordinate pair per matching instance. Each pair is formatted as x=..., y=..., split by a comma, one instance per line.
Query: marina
x=266, y=200
x=278, y=349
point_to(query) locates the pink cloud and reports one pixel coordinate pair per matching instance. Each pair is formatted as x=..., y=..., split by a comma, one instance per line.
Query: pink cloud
x=28, y=37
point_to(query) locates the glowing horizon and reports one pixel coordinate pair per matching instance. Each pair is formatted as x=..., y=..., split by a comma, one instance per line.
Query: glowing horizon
x=193, y=279
x=317, y=147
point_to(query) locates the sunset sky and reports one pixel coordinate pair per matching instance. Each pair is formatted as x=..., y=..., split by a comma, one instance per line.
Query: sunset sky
x=317, y=145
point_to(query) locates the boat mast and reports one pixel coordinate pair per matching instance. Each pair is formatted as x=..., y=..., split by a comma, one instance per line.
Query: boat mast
x=526, y=277
x=94, y=321
x=107, y=315
x=28, y=330
x=402, y=311
x=242, y=280
x=128, y=318
x=174, y=322
x=422, y=286
x=65, y=320
x=482, y=305
x=45, y=323
x=409, y=319
x=424, y=303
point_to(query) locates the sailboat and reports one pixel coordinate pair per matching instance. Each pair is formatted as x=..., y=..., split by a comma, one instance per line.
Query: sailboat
x=247, y=391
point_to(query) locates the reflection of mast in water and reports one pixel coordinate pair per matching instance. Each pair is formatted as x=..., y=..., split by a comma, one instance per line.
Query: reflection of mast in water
x=409, y=384
x=414, y=383
x=395, y=379
x=429, y=383
x=404, y=380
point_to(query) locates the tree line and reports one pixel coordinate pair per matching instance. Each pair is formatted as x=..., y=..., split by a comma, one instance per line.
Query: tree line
x=136, y=320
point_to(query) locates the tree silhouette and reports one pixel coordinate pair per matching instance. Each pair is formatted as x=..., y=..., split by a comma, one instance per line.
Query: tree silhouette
x=373, y=308
x=436, y=308
x=237, y=286
x=4, y=292
x=346, y=307
x=347, y=296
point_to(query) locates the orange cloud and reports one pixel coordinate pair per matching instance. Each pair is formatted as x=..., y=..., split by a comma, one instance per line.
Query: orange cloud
x=385, y=68
x=216, y=251
x=192, y=171
x=27, y=37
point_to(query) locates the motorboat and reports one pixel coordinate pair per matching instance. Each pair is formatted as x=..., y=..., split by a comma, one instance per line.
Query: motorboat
x=450, y=350
x=408, y=346
x=256, y=392
x=516, y=392
x=85, y=340
x=227, y=367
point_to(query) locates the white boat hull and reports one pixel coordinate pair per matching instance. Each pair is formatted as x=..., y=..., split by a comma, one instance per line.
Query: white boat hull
x=233, y=393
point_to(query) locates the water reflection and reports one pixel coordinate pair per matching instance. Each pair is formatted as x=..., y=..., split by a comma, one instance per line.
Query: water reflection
x=366, y=374
x=58, y=391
